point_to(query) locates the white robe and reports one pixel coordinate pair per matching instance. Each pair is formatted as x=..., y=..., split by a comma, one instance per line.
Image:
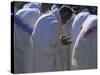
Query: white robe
x=76, y=27
x=54, y=7
x=66, y=31
x=46, y=44
x=77, y=24
x=33, y=5
x=85, y=48
x=23, y=48
x=55, y=10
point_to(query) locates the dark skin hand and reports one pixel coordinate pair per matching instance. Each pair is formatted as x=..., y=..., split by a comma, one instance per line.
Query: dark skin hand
x=65, y=40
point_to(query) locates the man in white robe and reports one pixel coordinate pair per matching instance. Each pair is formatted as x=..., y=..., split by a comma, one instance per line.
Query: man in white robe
x=76, y=27
x=56, y=11
x=25, y=20
x=66, y=31
x=77, y=23
x=84, y=52
x=47, y=43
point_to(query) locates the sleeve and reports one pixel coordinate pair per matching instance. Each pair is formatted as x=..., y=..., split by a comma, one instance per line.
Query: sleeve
x=55, y=34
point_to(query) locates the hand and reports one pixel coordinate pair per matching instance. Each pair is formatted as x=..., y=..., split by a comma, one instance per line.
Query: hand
x=65, y=40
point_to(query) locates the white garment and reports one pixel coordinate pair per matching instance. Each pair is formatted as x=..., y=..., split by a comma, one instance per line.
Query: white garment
x=32, y=5
x=77, y=24
x=55, y=10
x=46, y=44
x=53, y=7
x=30, y=16
x=76, y=28
x=23, y=48
x=66, y=31
x=84, y=54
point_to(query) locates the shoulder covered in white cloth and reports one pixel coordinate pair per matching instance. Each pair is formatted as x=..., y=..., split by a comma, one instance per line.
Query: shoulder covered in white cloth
x=90, y=22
